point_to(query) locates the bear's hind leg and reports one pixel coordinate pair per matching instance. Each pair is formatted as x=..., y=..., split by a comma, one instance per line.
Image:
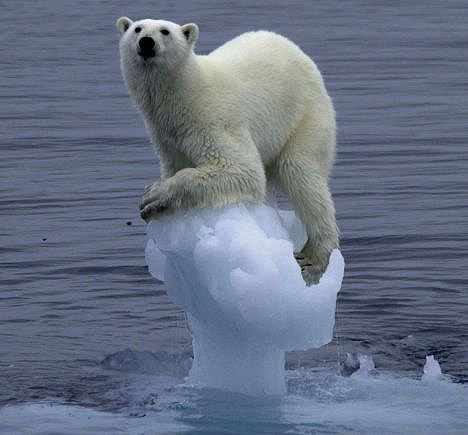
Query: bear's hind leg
x=303, y=179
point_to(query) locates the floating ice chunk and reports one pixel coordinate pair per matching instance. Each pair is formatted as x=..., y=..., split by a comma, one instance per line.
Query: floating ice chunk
x=366, y=365
x=431, y=369
x=233, y=271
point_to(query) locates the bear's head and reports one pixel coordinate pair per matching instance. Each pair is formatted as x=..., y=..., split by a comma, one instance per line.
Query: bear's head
x=156, y=42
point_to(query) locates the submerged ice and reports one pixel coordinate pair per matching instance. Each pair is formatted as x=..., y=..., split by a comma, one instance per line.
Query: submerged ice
x=233, y=272
x=368, y=402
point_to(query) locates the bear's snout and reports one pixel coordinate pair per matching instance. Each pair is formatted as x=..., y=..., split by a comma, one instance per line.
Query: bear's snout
x=146, y=47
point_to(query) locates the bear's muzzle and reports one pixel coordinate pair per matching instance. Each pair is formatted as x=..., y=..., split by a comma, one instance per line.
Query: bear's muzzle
x=146, y=47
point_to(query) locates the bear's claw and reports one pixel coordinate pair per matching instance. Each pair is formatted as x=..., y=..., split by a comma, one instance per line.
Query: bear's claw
x=151, y=193
x=155, y=200
x=311, y=271
x=150, y=210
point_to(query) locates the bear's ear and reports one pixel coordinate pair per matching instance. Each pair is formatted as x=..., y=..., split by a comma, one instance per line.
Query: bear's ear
x=190, y=32
x=122, y=24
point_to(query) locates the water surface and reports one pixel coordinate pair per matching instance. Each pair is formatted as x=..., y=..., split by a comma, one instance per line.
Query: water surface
x=75, y=158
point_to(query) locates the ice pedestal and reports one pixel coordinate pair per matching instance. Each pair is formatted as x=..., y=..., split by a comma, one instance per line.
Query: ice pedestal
x=233, y=272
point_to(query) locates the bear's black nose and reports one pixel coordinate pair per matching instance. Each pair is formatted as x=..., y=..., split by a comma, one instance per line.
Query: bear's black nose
x=146, y=43
x=146, y=47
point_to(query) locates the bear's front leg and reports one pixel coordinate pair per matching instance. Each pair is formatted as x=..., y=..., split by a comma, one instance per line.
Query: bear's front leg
x=228, y=171
x=209, y=186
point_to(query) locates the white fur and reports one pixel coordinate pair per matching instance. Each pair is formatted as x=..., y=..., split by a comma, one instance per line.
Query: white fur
x=253, y=110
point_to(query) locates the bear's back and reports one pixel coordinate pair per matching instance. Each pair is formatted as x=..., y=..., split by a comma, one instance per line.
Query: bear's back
x=264, y=52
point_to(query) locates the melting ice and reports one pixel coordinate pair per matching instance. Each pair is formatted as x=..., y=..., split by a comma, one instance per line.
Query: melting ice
x=318, y=401
x=233, y=272
x=431, y=369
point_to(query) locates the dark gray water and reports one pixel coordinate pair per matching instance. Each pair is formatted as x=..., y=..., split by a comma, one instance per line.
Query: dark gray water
x=75, y=158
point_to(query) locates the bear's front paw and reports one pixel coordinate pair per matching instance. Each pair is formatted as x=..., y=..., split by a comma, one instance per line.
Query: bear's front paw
x=155, y=200
x=152, y=209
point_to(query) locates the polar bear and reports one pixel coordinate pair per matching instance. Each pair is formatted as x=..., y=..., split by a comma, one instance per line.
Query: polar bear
x=253, y=111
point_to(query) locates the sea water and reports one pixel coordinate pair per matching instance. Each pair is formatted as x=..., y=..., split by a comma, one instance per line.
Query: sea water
x=75, y=289
x=319, y=401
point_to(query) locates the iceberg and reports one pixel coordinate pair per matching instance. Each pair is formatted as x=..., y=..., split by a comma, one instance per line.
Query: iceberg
x=431, y=371
x=232, y=270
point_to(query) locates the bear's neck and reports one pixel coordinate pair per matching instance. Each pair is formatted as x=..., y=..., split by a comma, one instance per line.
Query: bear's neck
x=164, y=96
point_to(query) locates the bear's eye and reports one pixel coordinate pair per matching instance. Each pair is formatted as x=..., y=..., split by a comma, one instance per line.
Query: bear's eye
x=165, y=32
x=137, y=29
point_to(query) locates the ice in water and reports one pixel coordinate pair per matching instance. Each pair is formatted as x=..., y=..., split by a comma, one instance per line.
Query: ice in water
x=233, y=272
x=319, y=401
x=432, y=369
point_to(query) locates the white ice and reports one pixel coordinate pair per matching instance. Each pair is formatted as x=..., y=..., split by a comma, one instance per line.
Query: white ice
x=233, y=272
x=432, y=369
